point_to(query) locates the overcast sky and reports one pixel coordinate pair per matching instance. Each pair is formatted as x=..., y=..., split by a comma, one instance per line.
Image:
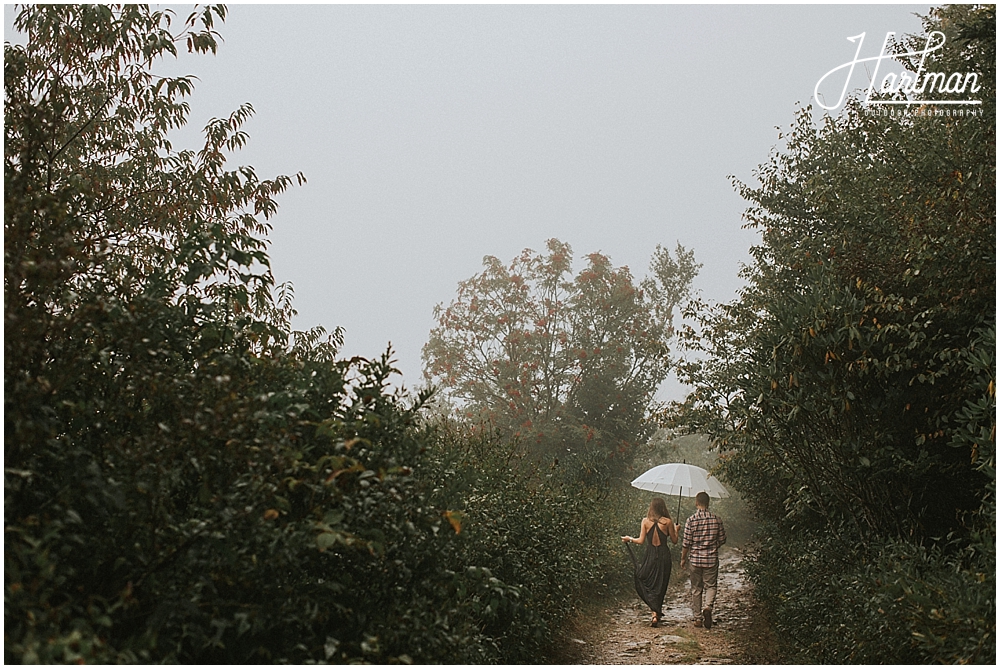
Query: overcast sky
x=434, y=135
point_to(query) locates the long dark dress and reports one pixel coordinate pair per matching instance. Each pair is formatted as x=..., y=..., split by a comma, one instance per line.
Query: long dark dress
x=652, y=576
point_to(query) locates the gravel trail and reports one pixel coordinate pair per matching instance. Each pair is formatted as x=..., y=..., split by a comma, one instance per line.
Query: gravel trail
x=622, y=633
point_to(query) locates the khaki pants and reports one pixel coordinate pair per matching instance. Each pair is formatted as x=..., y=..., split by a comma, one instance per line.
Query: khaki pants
x=703, y=581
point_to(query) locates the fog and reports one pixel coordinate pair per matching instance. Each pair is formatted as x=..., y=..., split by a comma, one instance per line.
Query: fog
x=434, y=135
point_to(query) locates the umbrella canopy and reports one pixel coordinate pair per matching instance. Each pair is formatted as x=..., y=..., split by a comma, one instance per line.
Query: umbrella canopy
x=680, y=479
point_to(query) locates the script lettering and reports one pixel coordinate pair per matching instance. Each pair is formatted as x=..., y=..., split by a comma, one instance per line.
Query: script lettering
x=919, y=82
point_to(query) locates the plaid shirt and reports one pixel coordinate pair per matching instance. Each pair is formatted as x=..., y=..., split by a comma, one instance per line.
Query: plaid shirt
x=703, y=535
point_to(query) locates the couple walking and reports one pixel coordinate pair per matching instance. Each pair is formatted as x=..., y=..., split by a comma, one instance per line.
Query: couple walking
x=704, y=534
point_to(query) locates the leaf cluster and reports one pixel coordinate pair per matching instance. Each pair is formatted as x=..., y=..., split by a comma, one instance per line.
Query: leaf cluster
x=851, y=387
x=187, y=479
x=569, y=363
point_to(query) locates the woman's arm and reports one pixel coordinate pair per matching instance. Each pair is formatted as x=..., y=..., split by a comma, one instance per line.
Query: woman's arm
x=672, y=529
x=642, y=533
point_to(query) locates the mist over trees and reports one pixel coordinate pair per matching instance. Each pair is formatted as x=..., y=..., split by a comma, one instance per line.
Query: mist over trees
x=567, y=363
x=189, y=480
x=851, y=387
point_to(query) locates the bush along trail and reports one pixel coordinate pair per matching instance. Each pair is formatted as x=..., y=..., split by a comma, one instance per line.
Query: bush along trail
x=188, y=480
x=618, y=631
x=851, y=389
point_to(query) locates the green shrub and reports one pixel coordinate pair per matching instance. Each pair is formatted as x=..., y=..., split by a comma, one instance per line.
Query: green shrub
x=546, y=540
x=851, y=388
x=188, y=480
x=835, y=601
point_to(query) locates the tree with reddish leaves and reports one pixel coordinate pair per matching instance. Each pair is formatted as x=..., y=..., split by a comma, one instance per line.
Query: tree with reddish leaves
x=568, y=363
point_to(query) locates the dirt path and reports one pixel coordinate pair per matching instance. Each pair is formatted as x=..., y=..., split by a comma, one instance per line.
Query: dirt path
x=622, y=633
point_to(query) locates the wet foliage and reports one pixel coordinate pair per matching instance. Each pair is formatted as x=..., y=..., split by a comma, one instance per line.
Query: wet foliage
x=189, y=480
x=851, y=388
x=567, y=363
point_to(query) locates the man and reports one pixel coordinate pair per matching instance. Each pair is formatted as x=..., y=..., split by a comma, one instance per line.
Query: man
x=703, y=535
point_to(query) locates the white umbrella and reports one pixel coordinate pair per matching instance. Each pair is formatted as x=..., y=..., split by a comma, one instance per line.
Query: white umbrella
x=680, y=479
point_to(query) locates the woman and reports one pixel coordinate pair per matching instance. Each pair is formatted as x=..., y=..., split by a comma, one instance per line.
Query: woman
x=652, y=576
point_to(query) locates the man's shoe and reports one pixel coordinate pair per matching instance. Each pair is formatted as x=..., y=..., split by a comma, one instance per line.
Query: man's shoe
x=698, y=623
x=707, y=617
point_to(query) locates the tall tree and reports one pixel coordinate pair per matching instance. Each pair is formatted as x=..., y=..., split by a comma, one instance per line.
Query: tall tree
x=569, y=363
